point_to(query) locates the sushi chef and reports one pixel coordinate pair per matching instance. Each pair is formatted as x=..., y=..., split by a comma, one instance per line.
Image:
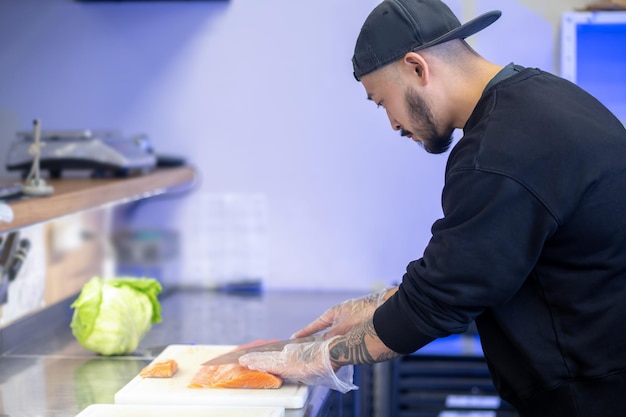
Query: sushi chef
x=532, y=243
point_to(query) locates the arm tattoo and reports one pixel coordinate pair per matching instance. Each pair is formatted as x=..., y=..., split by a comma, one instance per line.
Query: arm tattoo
x=352, y=349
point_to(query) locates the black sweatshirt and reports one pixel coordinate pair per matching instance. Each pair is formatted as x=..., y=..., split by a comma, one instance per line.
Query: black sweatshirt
x=532, y=246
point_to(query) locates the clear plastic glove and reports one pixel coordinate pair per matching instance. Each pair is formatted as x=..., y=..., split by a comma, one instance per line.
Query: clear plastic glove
x=308, y=363
x=338, y=320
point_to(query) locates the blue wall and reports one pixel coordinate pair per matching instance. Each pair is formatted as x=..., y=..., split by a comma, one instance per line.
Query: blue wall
x=259, y=95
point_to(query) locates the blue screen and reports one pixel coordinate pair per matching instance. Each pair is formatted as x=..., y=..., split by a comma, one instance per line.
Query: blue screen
x=601, y=64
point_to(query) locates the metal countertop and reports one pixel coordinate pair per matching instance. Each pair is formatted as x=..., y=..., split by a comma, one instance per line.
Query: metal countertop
x=44, y=372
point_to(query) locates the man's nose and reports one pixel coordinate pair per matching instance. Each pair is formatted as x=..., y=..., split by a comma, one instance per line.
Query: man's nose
x=394, y=123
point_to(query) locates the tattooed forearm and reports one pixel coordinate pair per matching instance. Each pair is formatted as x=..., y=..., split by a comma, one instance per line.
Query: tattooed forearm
x=352, y=349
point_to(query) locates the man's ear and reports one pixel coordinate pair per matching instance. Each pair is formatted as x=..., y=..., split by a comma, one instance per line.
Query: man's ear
x=416, y=63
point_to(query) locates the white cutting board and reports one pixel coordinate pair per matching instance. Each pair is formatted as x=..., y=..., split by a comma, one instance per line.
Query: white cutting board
x=174, y=390
x=137, y=410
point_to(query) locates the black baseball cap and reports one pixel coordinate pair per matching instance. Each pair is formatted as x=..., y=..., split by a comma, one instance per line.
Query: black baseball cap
x=396, y=27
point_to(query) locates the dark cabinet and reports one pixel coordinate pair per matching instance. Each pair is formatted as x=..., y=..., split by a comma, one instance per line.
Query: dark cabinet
x=421, y=386
x=429, y=386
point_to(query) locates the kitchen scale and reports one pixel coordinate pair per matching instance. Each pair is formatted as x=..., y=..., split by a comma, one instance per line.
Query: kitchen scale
x=103, y=153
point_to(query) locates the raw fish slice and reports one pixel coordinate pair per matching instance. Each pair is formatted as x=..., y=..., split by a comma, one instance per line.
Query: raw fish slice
x=233, y=376
x=161, y=369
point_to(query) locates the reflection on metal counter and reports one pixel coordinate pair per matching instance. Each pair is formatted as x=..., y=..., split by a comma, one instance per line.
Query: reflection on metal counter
x=102, y=153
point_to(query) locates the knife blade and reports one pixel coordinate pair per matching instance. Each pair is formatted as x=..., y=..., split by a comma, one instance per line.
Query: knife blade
x=234, y=355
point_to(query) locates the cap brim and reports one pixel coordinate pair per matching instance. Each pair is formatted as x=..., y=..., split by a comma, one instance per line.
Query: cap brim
x=473, y=26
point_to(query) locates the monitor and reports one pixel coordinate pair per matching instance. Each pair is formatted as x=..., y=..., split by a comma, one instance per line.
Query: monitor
x=593, y=55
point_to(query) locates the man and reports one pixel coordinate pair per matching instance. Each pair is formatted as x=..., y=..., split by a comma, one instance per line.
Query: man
x=532, y=244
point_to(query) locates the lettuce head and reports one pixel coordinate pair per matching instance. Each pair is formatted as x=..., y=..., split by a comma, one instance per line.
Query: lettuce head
x=112, y=315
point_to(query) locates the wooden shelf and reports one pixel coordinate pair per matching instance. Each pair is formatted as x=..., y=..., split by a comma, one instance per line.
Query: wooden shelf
x=76, y=195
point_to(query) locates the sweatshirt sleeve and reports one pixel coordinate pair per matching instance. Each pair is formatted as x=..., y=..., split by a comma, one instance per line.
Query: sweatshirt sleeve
x=479, y=255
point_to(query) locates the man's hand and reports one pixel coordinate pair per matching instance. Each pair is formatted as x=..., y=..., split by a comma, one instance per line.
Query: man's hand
x=308, y=363
x=340, y=319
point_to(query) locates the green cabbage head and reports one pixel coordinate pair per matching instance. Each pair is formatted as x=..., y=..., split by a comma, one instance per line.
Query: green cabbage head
x=112, y=315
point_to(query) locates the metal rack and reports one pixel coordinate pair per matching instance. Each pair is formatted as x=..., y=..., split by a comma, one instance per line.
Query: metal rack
x=437, y=385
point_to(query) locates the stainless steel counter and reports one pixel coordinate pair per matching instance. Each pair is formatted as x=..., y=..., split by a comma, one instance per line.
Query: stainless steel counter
x=44, y=372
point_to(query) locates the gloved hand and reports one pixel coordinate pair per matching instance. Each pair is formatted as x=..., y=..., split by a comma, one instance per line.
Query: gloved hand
x=308, y=363
x=338, y=320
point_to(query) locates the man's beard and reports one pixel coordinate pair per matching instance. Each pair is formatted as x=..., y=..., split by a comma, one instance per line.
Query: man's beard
x=423, y=120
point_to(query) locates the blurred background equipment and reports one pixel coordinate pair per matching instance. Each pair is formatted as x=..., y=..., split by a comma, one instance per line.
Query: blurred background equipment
x=593, y=55
x=605, y=5
x=148, y=252
x=35, y=185
x=101, y=153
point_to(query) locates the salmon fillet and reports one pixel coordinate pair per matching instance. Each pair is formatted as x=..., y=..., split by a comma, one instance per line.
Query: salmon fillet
x=161, y=369
x=233, y=376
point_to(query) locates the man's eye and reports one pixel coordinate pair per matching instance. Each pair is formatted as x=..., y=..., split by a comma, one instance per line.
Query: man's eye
x=379, y=105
